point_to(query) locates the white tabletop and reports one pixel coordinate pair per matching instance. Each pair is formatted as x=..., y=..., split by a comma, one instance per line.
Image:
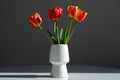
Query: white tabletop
x=75, y=73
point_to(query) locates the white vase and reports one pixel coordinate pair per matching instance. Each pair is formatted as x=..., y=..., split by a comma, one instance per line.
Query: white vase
x=59, y=57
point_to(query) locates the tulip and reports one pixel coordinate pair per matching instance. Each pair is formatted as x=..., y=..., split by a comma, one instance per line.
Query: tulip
x=55, y=13
x=72, y=11
x=35, y=20
x=81, y=15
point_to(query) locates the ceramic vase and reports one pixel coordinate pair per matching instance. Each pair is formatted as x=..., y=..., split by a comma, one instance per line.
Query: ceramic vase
x=59, y=57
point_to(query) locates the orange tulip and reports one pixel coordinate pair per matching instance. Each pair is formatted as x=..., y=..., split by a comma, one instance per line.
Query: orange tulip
x=72, y=11
x=81, y=15
x=55, y=13
x=35, y=20
x=76, y=13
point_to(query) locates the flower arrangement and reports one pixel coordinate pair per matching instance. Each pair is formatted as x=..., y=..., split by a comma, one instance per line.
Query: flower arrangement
x=59, y=35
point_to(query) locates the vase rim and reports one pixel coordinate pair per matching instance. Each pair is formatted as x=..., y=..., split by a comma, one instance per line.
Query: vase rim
x=59, y=44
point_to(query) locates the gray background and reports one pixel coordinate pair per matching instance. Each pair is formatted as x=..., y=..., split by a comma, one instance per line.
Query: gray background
x=96, y=41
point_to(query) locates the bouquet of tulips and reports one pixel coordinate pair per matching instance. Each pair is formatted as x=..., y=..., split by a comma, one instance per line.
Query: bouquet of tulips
x=59, y=35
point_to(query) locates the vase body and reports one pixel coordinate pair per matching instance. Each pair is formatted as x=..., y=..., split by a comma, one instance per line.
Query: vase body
x=59, y=57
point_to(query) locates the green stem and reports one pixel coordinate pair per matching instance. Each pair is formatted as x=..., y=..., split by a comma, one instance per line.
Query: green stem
x=69, y=31
x=58, y=36
x=73, y=29
x=46, y=34
x=55, y=28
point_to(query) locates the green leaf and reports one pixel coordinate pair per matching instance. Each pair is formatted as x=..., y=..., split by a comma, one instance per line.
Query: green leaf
x=61, y=33
x=55, y=40
x=49, y=33
x=65, y=34
x=61, y=36
x=49, y=36
x=52, y=36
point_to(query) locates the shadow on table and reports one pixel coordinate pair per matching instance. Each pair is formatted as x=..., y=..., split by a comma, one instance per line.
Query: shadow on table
x=92, y=69
x=25, y=76
x=71, y=69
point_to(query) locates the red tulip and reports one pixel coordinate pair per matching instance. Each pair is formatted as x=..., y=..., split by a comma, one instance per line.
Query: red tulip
x=55, y=13
x=35, y=20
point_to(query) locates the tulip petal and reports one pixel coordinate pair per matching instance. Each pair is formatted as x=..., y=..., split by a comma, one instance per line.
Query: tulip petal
x=38, y=18
x=82, y=16
x=60, y=11
x=74, y=11
x=56, y=13
x=32, y=22
x=69, y=10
